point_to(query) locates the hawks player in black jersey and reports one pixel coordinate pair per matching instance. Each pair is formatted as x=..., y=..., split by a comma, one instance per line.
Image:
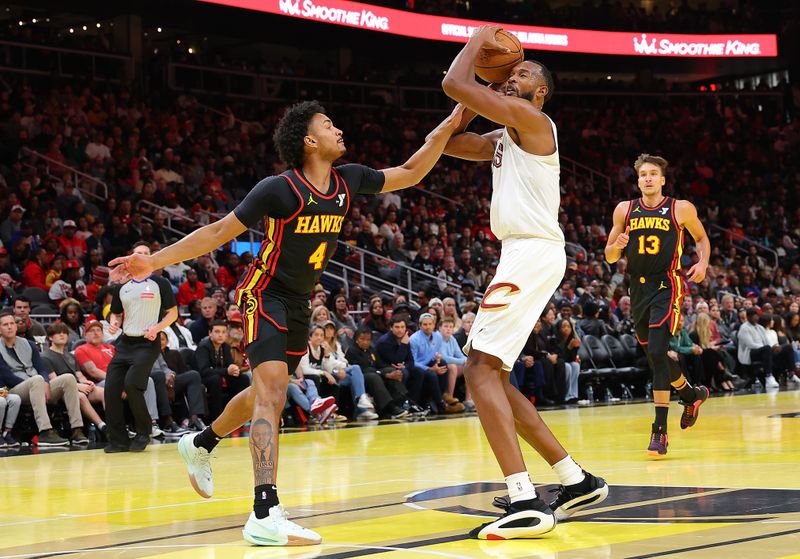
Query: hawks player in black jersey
x=650, y=232
x=303, y=210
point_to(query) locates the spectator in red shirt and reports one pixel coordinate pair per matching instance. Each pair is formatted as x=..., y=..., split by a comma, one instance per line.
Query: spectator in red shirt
x=99, y=281
x=33, y=274
x=228, y=273
x=94, y=356
x=191, y=289
x=71, y=245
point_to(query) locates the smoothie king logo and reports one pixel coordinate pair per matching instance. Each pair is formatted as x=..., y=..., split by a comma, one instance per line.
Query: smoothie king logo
x=308, y=9
x=665, y=47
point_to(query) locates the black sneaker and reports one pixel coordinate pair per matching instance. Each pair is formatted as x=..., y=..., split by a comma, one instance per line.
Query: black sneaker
x=139, y=443
x=417, y=411
x=523, y=519
x=51, y=438
x=691, y=411
x=173, y=429
x=398, y=413
x=197, y=425
x=78, y=437
x=572, y=498
x=113, y=448
x=11, y=442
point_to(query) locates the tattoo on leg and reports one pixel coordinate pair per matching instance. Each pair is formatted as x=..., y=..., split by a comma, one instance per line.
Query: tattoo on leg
x=262, y=449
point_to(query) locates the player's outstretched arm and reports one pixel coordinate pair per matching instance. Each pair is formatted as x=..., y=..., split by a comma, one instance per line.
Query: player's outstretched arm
x=686, y=214
x=460, y=85
x=420, y=164
x=199, y=242
x=618, y=237
x=468, y=145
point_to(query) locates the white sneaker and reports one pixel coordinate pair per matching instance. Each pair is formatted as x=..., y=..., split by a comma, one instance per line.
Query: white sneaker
x=156, y=432
x=198, y=465
x=771, y=382
x=277, y=529
x=469, y=405
x=795, y=379
x=367, y=415
x=365, y=402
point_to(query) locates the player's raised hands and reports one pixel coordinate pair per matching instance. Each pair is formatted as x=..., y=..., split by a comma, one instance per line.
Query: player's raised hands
x=623, y=238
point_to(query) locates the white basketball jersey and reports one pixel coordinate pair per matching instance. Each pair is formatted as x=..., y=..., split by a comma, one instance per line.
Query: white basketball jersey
x=525, y=191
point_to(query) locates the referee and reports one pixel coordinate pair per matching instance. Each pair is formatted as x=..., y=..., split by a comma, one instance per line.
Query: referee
x=142, y=304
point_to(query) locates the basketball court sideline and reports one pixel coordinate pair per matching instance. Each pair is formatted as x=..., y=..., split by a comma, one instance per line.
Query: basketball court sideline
x=728, y=487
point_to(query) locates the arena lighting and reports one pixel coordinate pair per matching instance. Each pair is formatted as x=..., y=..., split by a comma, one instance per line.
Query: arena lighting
x=408, y=24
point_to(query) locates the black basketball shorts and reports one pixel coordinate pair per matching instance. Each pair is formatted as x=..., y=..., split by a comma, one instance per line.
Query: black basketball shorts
x=656, y=302
x=275, y=327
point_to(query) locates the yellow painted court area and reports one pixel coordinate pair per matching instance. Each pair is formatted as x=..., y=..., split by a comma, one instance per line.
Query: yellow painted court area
x=730, y=487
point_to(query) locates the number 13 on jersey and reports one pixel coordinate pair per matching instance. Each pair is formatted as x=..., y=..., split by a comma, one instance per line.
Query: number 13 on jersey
x=317, y=259
x=649, y=244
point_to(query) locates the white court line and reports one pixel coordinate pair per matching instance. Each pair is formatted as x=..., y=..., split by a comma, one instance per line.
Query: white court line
x=205, y=501
x=200, y=546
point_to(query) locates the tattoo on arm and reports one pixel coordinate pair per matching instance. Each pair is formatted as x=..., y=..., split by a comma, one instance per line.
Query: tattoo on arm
x=263, y=448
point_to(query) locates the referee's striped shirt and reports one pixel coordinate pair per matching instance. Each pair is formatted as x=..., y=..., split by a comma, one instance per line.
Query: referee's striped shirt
x=143, y=303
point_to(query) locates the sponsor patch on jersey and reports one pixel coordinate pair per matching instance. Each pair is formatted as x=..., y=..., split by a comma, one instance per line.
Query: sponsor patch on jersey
x=147, y=295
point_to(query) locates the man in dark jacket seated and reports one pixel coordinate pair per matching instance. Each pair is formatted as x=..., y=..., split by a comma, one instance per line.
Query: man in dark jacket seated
x=385, y=386
x=221, y=376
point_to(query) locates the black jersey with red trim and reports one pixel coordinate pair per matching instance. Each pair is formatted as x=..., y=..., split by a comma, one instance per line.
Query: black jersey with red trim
x=656, y=240
x=301, y=226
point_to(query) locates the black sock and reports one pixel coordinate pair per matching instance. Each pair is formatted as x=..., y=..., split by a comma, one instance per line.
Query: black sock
x=266, y=496
x=660, y=424
x=207, y=439
x=687, y=392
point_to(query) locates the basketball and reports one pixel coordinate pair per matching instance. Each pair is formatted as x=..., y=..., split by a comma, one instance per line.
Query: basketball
x=495, y=67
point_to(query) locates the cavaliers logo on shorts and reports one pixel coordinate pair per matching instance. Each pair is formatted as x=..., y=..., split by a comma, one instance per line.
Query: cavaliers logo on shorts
x=497, y=293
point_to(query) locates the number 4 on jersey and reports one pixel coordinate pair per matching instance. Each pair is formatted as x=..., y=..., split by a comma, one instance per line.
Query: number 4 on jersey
x=318, y=257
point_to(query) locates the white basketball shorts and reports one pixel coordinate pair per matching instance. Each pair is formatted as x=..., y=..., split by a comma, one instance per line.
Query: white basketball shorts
x=529, y=272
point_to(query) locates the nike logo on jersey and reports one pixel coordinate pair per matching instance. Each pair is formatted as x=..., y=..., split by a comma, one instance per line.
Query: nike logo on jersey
x=341, y=199
x=311, y=200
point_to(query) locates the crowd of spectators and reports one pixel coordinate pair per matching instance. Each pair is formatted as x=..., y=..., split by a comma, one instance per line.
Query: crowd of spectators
x=169, y=164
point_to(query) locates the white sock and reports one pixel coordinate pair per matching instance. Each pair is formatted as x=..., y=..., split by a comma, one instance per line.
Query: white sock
x=520, y=487
x=568, y=471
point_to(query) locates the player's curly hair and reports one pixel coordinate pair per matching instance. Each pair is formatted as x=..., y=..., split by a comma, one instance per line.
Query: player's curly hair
x=292, y=128
x=660, y=162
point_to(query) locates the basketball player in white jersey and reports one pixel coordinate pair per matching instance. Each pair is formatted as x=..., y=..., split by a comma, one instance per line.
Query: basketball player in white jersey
x=524, y=216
